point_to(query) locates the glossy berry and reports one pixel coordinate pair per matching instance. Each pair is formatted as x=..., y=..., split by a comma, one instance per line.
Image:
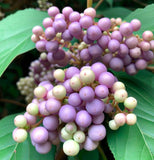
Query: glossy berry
x=79, y=136
x=130, y=102
x=71, y=148
x=32, y=109
x=40, y=92
x=113, y=125
x=120, y=119
x=120, y=95
x=59, y=92
x=20, y=121
x=65, y=135
x=19, y=135
x=131, y=119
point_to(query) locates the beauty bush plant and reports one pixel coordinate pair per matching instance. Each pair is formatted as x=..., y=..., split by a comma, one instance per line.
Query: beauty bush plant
x=85, y=85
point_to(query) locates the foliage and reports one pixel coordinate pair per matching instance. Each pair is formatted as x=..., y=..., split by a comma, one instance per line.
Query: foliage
x=129, y=142
x=137, y=139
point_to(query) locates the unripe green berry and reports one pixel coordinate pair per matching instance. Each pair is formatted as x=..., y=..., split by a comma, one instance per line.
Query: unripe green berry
x=32, y=109
x=75, y=83
x=120, y=95
x=19, y=135
x=79, y=136
x=59, y=92
x=113, y=125
x=80, y=47
x=40, y=92
x=59, y=74
x=120, y=119
x=65, y=135
x=87, y=76
x=71, y=127
x=118, y=85
x=131, y=119
x=20, y=121
x=71, y=148
x=58, y=35
x=130, y=103
x=43, y=56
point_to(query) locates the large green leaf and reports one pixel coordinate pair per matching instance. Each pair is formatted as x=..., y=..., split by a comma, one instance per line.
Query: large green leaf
x=116, y=12
x=136, y=142
x=88, y=155
x=146, y=16
x=83, y=154
x=16, y=31
x=10, y=150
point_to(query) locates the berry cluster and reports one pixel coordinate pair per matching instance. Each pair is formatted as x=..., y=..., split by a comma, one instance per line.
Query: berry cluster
x=40, y=70
x=73, y=110
x=43, y=4
x=110, y=41
x=26, y=86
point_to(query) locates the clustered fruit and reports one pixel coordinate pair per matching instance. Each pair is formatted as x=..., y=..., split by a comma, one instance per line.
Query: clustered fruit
x=72, y=109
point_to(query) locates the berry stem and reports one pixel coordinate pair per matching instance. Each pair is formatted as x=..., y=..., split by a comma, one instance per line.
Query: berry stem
x=13, y=102
x=117, y=108
x=98, y=4
x=140, y=3
x=102, y=153
x=151, y=68
x=89, y=3
x=37, y=124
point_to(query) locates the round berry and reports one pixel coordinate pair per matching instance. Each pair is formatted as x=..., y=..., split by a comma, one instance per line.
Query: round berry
x=59, y=92
x=20, y=121
x=65, y=135
x=131, y=119
x=130, y=102
x=40, y=92
x=32, y=109
x=113, y=125
x=79, y=136
x=19, y=135
x=118, y=85
x=87, y=76
x=59, y=74
x=120, y=95
x=71, y=127
x=120, y=119
x=71, y=148
x=90, y=12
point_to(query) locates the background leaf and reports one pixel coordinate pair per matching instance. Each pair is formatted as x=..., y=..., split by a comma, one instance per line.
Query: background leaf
x=83, y=154
x=94, y=155
x=116, y=12
x=110, y=2
x=16, y=31
x=146, y=16
x=136, y=142
x=10, y=150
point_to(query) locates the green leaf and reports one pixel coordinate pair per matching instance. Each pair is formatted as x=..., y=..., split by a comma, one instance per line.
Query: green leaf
x=136, y=142
x=10, y=150
x=83, y=154
x=146, y=17
x=110, y=2
x=88, y=155
x=16, y=31
x=101, y=8
x=116, y=12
